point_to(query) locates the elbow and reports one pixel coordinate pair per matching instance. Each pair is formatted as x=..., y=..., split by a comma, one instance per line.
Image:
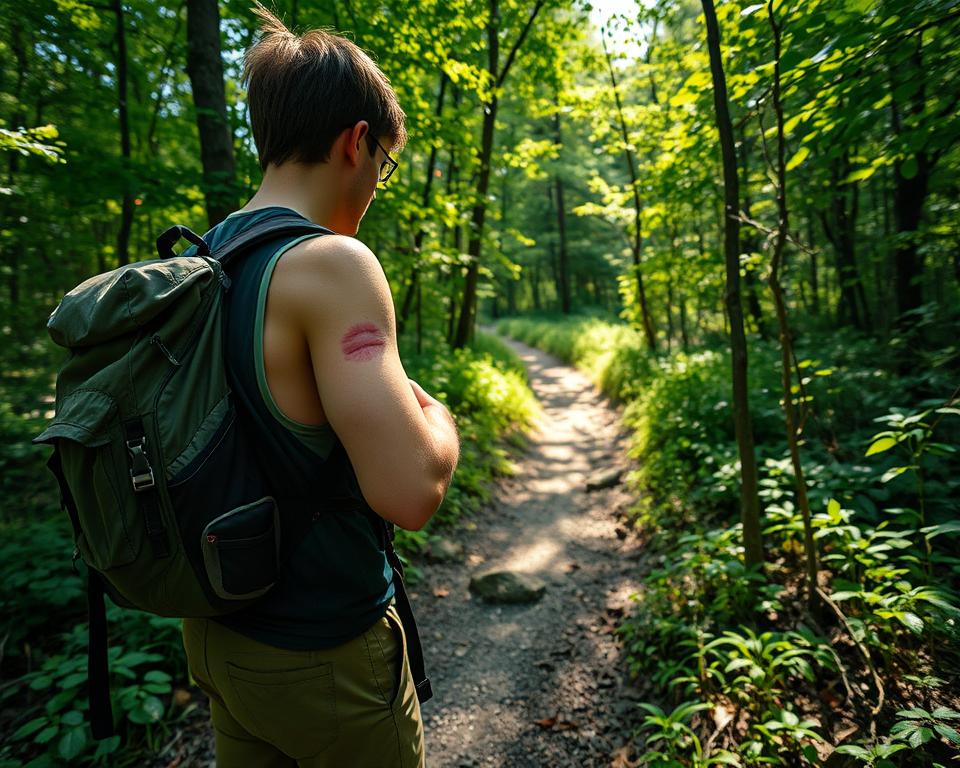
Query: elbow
x=412, y=511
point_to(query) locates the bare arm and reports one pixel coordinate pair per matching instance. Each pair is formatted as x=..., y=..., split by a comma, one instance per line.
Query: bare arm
x=402, y=443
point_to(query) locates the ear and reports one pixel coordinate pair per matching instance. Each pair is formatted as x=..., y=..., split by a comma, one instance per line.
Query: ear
x=355, y=137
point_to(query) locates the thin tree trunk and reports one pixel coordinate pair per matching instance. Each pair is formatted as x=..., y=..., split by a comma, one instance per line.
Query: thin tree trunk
x=563, y=285
x=840, y=227
x=909, y=196
x=126, y=211
x=10, y=205
x=205, y=67
x=474, y=248
x=751, y=242
x=814, y=285
x=637, y=244
x=414, y=282
x=749, y=498
x=794, y=428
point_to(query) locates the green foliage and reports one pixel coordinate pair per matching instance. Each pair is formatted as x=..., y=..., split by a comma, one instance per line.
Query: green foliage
x=885, y=537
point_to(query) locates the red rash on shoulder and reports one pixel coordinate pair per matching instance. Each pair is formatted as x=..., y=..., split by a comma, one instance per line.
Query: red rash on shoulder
x=364, y=341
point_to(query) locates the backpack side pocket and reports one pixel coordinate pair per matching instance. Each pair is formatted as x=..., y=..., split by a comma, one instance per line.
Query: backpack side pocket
x=93, y=456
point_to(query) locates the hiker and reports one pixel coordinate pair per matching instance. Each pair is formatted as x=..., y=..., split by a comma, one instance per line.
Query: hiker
x=316, y=673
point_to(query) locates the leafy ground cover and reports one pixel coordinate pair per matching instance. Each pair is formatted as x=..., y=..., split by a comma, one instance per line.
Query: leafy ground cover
x=43, y=696
x=739, y=669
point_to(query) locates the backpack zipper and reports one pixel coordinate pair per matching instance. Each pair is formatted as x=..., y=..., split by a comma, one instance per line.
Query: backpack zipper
x=155, y=339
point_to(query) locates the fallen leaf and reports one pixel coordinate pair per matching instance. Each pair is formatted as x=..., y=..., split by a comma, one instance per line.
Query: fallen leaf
x=181, y=697
x=723, y=716
x=566, y=725
x=547, y=722
x=621, y=758
x=441, y=592
x=828, y=697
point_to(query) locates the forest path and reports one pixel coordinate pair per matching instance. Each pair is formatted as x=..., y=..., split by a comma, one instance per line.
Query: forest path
x=498, y=670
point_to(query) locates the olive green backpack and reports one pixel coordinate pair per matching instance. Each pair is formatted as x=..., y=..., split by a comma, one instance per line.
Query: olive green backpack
x=170, y=511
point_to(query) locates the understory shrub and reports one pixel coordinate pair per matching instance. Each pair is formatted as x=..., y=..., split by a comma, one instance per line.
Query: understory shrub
x=741, y=671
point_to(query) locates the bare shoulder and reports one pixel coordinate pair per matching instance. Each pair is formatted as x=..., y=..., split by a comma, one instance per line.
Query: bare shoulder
x=330, y=271
x=331, y=256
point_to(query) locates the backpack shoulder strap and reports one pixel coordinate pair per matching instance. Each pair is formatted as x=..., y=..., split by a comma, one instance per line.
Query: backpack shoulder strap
x=264, y=232
x=243, y=241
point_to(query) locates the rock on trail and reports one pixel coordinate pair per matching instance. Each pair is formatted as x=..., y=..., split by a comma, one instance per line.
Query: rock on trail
x=539, y=685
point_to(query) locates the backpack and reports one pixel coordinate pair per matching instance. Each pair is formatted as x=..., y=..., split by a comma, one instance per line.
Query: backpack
x=170, y=510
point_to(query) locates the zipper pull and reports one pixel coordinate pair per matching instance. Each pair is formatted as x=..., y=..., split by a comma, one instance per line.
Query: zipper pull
x=155, y=339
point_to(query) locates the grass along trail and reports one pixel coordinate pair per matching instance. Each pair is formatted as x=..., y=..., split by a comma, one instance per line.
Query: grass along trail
x=541, y=684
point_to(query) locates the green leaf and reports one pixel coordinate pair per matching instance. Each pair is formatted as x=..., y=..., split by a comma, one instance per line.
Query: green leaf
x=72, y=744
x=43, y=681
x=157, y=676
x=151, y=710
x=914, y=713
x=881, y=445
x=107, y=747
x=27, y=728
x=945, y=713
x=798, y=158
x=937, y=530
x=920, y=736
x=73, y=681
x=860, y=174
x=853, y=749
x=72, y=718
x=908, y=170
x=46, y=734
x=947, y=732
x=893, y=473
x=911, y=621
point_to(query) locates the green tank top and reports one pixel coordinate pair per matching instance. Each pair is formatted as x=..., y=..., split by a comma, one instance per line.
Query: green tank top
x=335, y=582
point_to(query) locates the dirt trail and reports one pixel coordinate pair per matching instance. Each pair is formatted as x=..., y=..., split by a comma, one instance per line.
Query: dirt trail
x=497, y=670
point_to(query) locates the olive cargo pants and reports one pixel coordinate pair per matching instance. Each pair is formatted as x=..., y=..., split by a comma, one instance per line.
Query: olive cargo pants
x=353, y=706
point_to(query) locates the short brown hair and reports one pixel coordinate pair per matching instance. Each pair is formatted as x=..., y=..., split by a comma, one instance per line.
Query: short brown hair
x=304, y=90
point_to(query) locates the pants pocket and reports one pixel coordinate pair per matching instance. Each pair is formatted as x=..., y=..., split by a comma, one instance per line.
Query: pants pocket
x=396, y=657
x=293, y=709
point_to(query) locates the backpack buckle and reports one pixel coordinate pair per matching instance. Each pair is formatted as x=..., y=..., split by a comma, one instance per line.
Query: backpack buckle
x=141, y=473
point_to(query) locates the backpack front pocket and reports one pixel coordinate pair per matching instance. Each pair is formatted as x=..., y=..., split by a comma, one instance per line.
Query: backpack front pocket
x=88, y=436
x=241, y=550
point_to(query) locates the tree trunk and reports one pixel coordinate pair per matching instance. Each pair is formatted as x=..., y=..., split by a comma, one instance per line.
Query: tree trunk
x=814, y=283
x=11, y=206
x=126, y=211
x=414, y=282
x=469, y=305
x=205, y=68
x=637, y=244
x=911, y=185
x=749, y=499
x=794, y=428
x=563, y=284
x=840, y=227
x=751, y=242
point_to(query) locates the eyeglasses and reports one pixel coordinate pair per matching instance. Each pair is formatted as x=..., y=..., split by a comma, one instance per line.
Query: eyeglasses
x=388, y=166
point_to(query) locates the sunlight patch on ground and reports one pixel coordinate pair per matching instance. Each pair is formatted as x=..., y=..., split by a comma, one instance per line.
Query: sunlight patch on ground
x=540, y=555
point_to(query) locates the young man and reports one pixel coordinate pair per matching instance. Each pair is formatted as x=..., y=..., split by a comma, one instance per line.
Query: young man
x=316, y=674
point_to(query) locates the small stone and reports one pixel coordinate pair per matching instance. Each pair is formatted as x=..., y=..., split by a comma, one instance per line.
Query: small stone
x=507, y=587
x=605, y=479
x=445, y=551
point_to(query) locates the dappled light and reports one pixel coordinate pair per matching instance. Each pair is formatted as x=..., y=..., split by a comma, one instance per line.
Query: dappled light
x=676, y=283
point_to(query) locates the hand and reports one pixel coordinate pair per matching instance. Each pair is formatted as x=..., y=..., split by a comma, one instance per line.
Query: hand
x=421, y=394
x=433, y=410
